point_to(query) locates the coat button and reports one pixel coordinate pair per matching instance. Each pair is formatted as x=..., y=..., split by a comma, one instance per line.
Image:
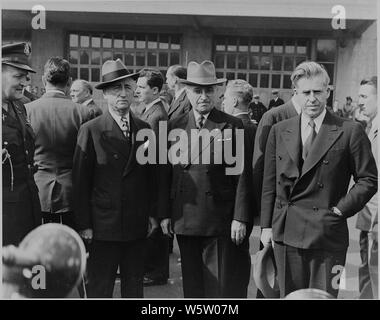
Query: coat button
x=320, y=185
x=315, y=208
x=116, y=156
x=26, y=152
x=326, y=162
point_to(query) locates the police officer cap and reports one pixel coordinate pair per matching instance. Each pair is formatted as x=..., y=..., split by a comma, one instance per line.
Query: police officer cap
x=16, y=55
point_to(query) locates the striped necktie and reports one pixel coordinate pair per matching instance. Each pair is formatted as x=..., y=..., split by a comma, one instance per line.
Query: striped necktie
x=125, y=126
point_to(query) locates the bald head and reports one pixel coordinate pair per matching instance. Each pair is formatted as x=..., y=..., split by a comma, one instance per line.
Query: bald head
x=80, y=91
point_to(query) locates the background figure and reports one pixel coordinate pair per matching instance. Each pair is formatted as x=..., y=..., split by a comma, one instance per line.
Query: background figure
x=21, y=207
x=368, y=217
x=113, y=193
x=256, y=109
x=309, y=162
x=56, y=120
x=203, y=207
x=149, y=85
x=81, y=92
x=348, y=109
x=166, y=97
x=237, y=98
x=180, y=103
x=276, y=100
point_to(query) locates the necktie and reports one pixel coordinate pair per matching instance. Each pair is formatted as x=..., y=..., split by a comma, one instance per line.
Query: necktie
x=200, y=122
x=125, y=126
x=309, y=140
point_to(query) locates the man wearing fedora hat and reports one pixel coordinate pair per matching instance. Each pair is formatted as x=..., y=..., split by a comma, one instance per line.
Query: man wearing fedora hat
x=21, y=205
x=113, y=193
x=205, y=214
x=276, y=101
x=257, y=108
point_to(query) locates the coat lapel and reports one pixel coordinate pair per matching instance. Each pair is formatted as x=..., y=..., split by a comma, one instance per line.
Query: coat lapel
x=326, y=137
x=134, y=127
x=177, y=103
x=292, y=140
x=113, y=137
x=213, y=121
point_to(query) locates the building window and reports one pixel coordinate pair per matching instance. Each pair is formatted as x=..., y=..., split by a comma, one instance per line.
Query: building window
x=263, y=62
x=88, y=52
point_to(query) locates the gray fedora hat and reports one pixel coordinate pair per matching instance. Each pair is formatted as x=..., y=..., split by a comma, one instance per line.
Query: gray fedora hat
x=265, y=272
x=202, y=74
x=114, y=70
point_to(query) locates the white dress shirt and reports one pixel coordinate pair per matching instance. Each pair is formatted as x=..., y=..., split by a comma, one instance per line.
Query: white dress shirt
x=306, y=129
x=117, y=118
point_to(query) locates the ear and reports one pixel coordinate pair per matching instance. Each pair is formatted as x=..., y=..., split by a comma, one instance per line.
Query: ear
x=328, y=91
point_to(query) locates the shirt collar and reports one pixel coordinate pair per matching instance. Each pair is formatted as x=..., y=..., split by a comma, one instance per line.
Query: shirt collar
x=150, y=105
x=179, y=92
x=241, y=113
x=374, y=124
x=87, y=102
x=117, y=117
x=197, y=115
x=318, y=121
x=55, y=91
x=296, y=106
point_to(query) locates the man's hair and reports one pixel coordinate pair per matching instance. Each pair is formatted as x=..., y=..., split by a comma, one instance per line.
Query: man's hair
x=57, y=71
x=154, y=78
x=178, y=71
x=309, y=69
x=243, y=90
x=85, y=84
x=370, y=81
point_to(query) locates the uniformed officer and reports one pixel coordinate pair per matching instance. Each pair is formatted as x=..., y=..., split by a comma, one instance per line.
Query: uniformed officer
x=21, y=206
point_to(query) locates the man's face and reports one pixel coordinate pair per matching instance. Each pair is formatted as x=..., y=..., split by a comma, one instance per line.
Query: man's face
x=144, y=92
x=368, y=100
x=229, y=101
x=202, y=98
x=13, y=82
x=119, y=95
x=170, y=79
x=79, y=93
x=311, y=95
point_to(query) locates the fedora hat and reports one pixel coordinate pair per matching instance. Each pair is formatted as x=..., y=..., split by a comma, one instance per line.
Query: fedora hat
x=202, y=74
x=16, y=55
x=308, y=294
x=114, y=70
x=265, y=272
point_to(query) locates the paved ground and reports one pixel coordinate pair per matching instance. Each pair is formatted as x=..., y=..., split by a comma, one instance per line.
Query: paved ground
x=349, y=280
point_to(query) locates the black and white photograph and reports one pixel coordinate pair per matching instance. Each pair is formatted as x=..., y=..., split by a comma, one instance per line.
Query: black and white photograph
x=189, y=150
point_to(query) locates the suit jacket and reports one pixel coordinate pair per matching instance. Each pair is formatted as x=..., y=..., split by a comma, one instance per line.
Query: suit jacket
x=154, y=115
x=368, y=216
x=114, y=195
x=21, y=205
x=202, y=195
x=179, y=106
x=297, y=201
x=245, y=184
x=275, y=103
x=56, y=120
x=257, y=111
x=269, y=119
x=95, y=110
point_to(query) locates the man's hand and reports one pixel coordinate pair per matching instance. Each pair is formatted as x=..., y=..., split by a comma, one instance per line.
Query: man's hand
x=87, y=235
x=266, y=236
x=153, y=225
x=166, y=225
x=238, y=232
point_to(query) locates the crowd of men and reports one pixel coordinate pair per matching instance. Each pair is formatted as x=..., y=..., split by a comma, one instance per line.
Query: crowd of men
x=303, y=172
